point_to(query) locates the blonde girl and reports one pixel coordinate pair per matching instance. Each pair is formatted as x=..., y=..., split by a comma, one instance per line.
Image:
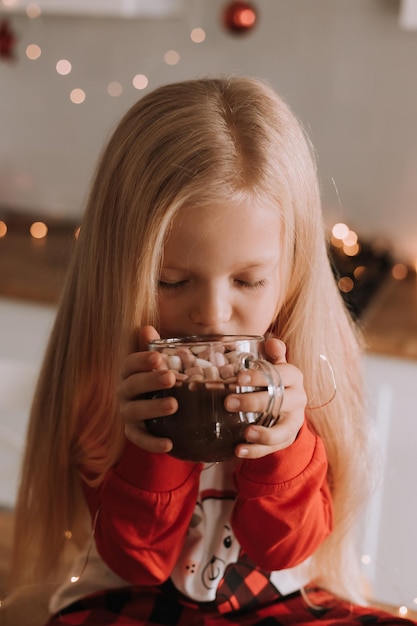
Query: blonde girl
x=219, y=142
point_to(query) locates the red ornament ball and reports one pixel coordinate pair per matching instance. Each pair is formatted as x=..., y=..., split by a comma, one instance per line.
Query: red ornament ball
x=7, y=41
x=239, y=17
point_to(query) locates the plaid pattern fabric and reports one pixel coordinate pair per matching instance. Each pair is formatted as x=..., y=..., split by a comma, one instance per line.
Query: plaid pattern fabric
x=244, y=585
x=151, y=607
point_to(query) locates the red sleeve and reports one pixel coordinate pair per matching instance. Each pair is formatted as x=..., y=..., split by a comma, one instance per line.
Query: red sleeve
x=144, y=509
x=280, y=524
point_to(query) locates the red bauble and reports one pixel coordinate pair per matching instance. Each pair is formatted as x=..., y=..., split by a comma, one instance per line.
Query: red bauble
x=7, y=41
x=239, y=17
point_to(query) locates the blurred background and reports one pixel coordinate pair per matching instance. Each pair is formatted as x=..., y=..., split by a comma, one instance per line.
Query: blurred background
x=69, y=69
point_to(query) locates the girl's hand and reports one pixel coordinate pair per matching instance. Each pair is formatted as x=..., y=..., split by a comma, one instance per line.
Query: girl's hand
x=263, y=440
x=144, y=372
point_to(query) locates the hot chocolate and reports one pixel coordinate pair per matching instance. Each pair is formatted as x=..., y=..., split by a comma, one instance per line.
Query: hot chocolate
x=201, y=429
x=206, y=369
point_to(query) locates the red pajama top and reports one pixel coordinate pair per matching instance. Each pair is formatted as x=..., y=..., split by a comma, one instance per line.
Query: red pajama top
x=222, y=533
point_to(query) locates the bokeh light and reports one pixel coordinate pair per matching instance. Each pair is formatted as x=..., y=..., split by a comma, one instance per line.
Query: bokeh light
x=171, y=57
x=38, y=230
x=140, y=81
x=198, y=35
x=33, y=51
x=63, y=67
x=77, y=96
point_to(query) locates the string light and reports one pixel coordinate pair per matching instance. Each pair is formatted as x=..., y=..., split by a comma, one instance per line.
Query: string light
x=33, y=51
x=63, y=67
x=351, y=250
x=399, y=271
x=114, y=89
x=77, y=96
x=38, y=230
x=197, y=35
x=171, y=57
x=33, y=10
x=345, y=284
x=3, y=229
x=140, y=81
x=340, y=231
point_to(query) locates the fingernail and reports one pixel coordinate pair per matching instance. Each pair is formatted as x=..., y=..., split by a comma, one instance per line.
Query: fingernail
x=165, y=377
x=153, y=359
x=244, y=379
x=252, y=434
x=243, y=452
x=232, y=404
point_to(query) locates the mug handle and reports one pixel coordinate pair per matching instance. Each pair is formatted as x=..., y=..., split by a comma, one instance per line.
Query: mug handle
x=275, y=390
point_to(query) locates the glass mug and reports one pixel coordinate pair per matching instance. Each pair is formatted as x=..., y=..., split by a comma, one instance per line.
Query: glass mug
x=206, y=369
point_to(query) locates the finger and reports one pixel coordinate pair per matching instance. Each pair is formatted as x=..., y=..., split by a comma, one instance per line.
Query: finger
x=142, y=362
x=262, y=441
x=276, y=350
x=146, y=335
x=250, y=402
x=143, y=382
x=139, y=410
x=140, y=437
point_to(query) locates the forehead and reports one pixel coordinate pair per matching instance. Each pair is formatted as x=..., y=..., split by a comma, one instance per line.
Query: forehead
x=229, y=232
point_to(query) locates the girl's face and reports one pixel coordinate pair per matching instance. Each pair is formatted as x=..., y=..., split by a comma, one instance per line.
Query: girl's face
x=221, y=271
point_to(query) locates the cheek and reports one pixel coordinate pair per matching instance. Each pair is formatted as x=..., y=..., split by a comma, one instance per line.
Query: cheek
x=270, y=305
x=263, y=309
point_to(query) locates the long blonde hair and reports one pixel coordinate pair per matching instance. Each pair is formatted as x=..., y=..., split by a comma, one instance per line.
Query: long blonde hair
x=197, y=142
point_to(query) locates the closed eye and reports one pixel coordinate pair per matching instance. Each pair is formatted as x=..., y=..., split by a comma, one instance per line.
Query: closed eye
x=257, y=284
x=167, y=286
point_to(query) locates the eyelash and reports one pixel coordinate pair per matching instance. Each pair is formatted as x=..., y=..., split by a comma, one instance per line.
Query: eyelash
x=242, y=283
x=256, y=285
x=171, y=286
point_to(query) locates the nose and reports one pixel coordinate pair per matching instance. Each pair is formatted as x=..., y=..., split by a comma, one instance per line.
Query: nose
x=212, y=308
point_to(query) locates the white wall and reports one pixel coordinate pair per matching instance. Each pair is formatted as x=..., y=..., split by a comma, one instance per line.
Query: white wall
x=24, y=330
x=345, y=66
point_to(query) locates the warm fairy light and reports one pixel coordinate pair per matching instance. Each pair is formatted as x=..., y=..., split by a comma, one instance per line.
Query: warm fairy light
x=3, y=228
x=63, y=67
x=74, y=579
x=77, y=96
x=399, y=271
x=33, y=51
x=402, y=610
x=340, y=231
x=140, y=81
x=198, y=35
x=171, y=57
x=366, y=559
x=114, y=89
x=38, y=230
x=33, y=10
x=345, y=284
x=337, y=243
x=68, y=534
x=358, y=271
x=351, y=238
x=351, y=250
